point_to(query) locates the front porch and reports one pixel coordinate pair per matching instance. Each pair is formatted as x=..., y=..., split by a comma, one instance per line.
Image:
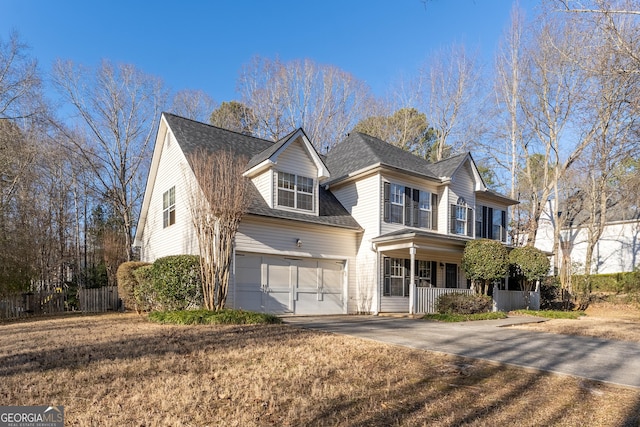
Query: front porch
x=419, y=266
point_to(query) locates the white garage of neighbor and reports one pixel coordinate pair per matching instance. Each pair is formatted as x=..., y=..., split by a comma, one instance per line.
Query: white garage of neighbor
x=289, y=285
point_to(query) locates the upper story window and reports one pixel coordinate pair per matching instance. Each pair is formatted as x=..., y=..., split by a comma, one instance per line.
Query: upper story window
x=410, y=206
x=397, y=204
x=169, y=207
x=461, y=219
x=491, y=223
x=295, y=191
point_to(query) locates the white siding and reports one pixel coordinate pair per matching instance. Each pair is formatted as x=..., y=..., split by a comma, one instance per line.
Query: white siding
x=295, y=159
x=363, y=199
x=263, y=183
x=617, y=250
x=178, y=238
x=463, y=185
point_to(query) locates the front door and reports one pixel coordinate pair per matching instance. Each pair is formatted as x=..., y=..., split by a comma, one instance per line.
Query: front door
x=451, y=276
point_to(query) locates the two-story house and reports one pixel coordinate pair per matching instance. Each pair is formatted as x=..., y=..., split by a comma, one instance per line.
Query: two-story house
x=356, y=230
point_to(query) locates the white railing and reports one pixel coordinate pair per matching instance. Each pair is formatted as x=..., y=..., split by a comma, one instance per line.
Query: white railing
x=515, y=300
x=427, y=298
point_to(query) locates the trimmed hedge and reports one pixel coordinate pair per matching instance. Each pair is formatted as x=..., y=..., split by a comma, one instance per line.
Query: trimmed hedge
x=170, y=283
x=464, y=304
x=614, y=282
x=127, y=283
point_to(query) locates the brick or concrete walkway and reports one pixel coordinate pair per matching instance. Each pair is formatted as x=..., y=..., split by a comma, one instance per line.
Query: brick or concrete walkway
x=616, y=362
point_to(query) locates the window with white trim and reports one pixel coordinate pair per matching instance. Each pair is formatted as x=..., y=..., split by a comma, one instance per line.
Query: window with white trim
x=169, y=207
x=410, y=206
x=295, y=191
x=424, y=209
x=461, y=218
x=397, y=203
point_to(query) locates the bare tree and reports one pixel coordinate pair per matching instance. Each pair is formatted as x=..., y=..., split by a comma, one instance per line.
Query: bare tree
x=118, y=108
x=451, y=97
x=192, y=104
x=217, y=201
x=323, y=99
x=20, y=83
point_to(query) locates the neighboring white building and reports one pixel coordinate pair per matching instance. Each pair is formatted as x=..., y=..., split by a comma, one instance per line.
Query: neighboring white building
x=617, y=250
x=340, y=233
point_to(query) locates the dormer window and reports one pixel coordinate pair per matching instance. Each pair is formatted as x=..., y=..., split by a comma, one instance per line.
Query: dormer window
x=295, y=191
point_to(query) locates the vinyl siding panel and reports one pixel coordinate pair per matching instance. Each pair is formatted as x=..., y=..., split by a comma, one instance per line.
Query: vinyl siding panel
x=178, y=238
x=362, y=199
x=295, y=159
x=263, y=183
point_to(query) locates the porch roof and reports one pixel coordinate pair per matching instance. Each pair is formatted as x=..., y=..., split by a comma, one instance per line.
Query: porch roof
x=410, y=238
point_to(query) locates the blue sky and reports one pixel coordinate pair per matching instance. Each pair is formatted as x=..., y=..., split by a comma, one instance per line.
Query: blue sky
x=203, y=44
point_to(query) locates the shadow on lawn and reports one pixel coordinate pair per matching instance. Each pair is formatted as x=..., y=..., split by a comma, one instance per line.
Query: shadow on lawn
x=53, y=352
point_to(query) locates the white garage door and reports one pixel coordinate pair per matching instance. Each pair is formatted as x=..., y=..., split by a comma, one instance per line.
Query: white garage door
x=283, y=285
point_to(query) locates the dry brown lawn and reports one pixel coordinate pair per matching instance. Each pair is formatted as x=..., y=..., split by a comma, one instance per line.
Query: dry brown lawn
x=120, y=370
x=603, y=320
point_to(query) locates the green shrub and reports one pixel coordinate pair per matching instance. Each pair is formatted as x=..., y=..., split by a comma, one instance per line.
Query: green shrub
x=170, y=283
x=127, y=282
x=206, y=317
x=144, y=293
x=459, y=303
x=628, y=282
x=177, y=283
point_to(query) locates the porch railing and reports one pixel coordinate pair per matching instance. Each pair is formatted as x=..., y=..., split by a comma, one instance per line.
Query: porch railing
x=427, y=298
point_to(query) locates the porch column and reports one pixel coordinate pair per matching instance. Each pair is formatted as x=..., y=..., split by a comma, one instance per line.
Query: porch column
x=412, y=281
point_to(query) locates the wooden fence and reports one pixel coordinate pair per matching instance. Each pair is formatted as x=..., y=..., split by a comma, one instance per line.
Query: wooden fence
x=427, y=298
x=99, y=300
x=32, y=303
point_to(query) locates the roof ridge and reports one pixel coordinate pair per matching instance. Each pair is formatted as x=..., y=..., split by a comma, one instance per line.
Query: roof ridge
x=218, y=127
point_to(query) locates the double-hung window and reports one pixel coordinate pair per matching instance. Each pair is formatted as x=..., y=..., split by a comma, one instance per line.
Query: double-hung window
x=424, y=209
x=410, y=206
x=295, y=191
x=461, y=219
x=169, y=207
x=397, y=203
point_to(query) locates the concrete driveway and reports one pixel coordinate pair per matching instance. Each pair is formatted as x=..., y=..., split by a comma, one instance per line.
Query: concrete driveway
x=616, y=362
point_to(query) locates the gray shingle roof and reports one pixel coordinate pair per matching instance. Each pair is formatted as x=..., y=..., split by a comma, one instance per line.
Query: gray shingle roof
x=264, y=155
x=193, y=136
x=359, y=151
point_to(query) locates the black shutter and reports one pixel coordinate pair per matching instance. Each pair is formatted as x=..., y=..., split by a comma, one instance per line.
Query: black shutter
x=452, y=216
x=434, y=211
x=407, y=206
x=387, y=201
x=386, y=291
x=470, y=222
x=416, y=204
x=434, y=274
x=490, y=224
x=504, y=226
x=485, y=215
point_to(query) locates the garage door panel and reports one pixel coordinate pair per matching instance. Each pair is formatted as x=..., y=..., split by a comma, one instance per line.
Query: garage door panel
x=248, y=272
x=332, y=277
x=280, y=285
x=308, y=275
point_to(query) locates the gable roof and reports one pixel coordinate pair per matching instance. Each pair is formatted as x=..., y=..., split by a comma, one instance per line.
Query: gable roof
x=360, y=151
x=193, y=136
